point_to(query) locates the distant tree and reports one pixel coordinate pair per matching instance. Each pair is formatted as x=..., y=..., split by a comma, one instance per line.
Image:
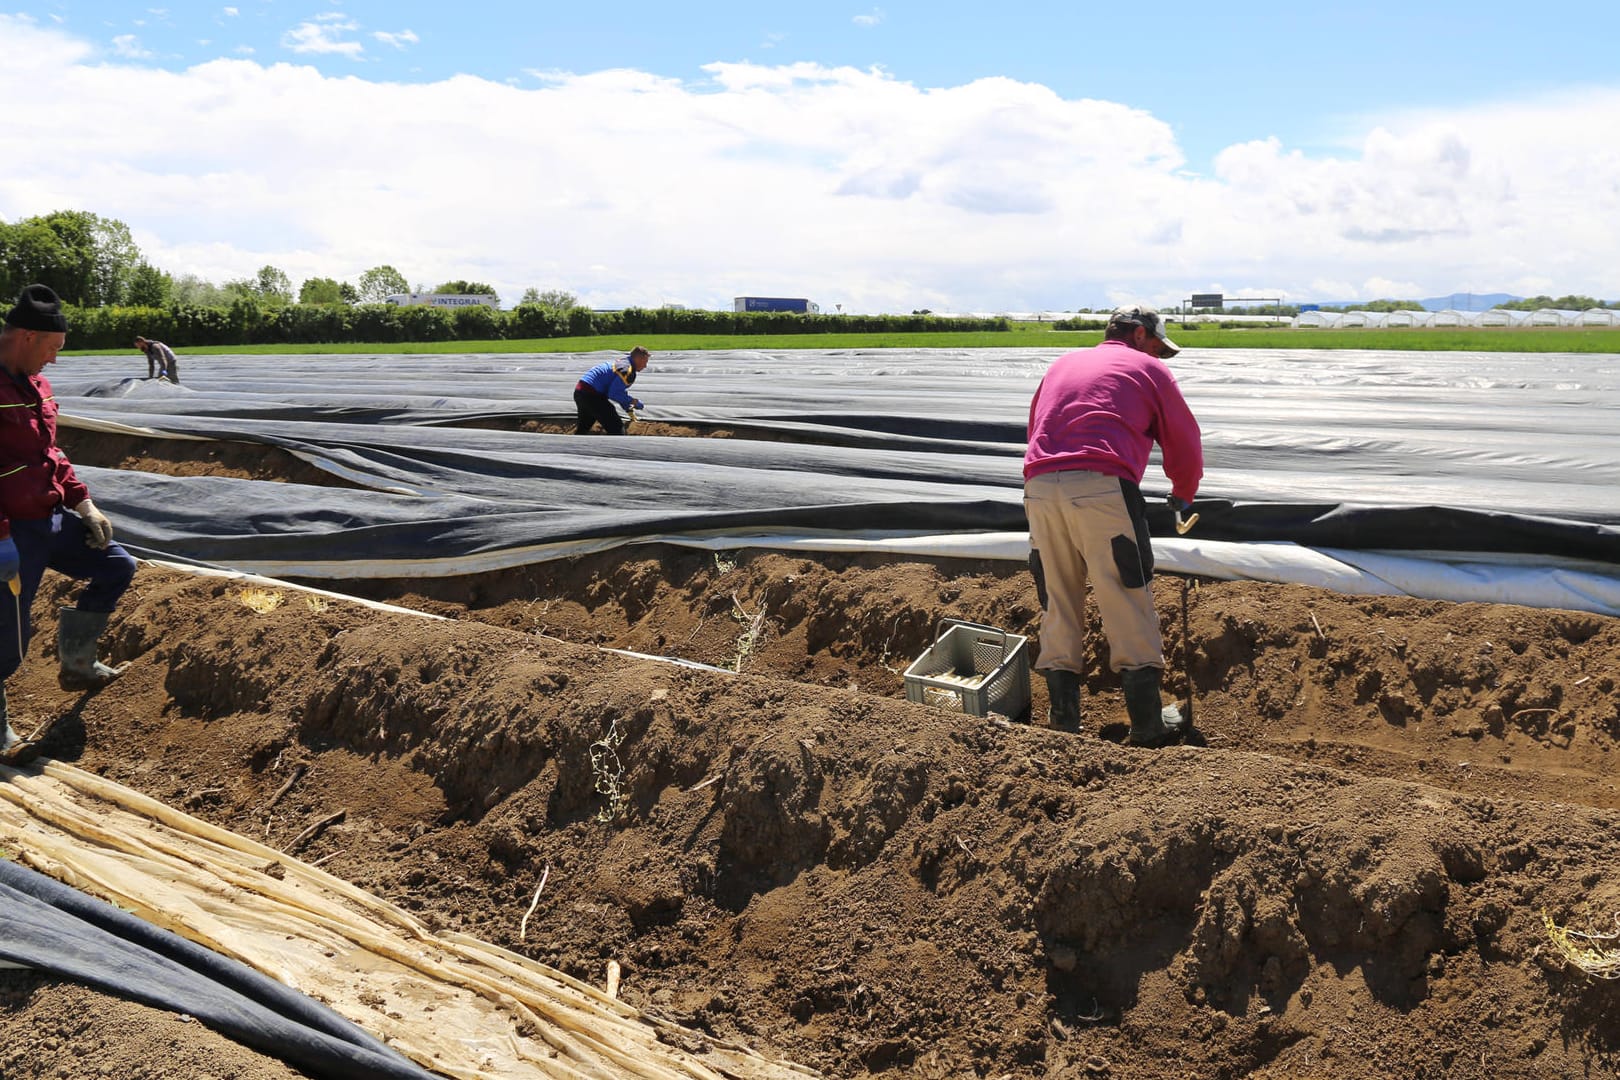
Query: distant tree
x=273, y=284
x=240, y=289
x=149, y=287
x=89, y=260
x=560, y=299
x=348, y=293
x=191, y=290
x=381, y=282
x=320, y=290
x=30, y=251
x=471, y=288
x=1564, y=303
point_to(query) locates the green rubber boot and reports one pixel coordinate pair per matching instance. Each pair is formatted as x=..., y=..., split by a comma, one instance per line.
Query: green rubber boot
x=77, y=633
x=14, y=749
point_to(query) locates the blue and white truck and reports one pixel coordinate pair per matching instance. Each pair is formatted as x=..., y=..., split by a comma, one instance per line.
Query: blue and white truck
x=775, y=303
x=442, y=300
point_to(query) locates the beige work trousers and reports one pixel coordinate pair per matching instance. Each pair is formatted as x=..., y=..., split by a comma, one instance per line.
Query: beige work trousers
x=1082, y=528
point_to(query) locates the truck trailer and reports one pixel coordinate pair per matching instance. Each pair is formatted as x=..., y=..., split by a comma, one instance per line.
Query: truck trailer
x=775, y=303
x=442, y=300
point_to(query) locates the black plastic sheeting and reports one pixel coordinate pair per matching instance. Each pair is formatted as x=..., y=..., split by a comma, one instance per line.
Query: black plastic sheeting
x=1493, y=452
x=59, y=930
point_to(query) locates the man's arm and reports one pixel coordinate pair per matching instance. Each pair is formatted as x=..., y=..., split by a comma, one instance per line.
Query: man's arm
x=1181, y=441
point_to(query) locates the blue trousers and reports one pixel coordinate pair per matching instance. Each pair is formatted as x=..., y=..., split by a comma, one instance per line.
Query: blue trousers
x=57, y=543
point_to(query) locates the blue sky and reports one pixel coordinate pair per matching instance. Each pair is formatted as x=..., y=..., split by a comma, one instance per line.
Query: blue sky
x=893, y=156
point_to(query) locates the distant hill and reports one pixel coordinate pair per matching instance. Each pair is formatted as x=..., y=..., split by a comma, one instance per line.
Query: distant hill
x=1459, y=301
x=1468, y=301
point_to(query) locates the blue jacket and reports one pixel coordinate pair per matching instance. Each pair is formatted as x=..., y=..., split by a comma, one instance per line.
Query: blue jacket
x=612, y=379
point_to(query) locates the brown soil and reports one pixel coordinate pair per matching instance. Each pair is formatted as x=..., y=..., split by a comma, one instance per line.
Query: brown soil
x=1348, y=880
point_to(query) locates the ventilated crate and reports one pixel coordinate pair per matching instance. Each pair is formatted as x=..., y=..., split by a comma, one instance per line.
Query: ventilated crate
x=972, y=669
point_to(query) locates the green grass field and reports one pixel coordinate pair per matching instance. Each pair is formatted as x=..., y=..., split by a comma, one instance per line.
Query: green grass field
x=1022, y=335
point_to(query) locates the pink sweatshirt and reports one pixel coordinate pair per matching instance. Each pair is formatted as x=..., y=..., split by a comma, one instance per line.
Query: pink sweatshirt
x=1102, y=410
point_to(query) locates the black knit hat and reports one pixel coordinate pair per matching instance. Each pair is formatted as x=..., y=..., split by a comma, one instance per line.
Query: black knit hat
x=37, y=308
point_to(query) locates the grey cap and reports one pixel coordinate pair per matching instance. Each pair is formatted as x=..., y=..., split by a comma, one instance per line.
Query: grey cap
x=1142, y=315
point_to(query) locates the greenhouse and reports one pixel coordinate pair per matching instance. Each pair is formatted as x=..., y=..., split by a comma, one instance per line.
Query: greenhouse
x=1496, y=317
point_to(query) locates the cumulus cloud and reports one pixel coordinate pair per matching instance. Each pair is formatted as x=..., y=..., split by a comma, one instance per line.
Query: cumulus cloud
x=846, y=185
x=324, y=34
x=871, y=18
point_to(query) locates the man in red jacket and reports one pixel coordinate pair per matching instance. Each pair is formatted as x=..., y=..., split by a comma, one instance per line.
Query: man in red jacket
x=1092, y=425
x=46, y=517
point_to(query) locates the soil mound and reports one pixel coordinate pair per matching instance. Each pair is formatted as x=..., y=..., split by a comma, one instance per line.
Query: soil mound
x=1348, y=880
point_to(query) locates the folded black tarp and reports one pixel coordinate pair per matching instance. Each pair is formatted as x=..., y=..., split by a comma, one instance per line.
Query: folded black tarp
x=59, y=930
x=1502, y=453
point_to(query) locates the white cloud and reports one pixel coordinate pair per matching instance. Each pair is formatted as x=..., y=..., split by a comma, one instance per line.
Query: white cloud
x=230, y=12
x=871, y=18
x=399, y=40
x=848, y=186
x=129, y=47
x=324, y=34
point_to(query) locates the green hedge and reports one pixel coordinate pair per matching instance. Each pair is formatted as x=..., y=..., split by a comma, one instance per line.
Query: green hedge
x=249, y=322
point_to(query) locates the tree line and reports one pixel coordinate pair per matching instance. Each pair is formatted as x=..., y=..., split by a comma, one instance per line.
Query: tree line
x=113, y=293
x=92, y=261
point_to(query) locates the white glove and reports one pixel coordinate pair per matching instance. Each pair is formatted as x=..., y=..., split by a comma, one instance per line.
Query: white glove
x=96, y=524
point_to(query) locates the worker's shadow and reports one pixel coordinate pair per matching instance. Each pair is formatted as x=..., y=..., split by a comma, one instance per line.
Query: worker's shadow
x=64, y=738
x=1118, y=733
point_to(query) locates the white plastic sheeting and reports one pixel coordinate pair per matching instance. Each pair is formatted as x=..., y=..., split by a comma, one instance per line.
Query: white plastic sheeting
x=1454, y=576
x=1351, y=450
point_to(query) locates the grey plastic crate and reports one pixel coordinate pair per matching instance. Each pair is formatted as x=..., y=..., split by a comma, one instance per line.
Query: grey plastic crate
x=972, y=669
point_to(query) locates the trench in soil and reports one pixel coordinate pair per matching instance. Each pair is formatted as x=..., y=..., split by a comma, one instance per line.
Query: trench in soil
x=795, y=856
x=1483, y=699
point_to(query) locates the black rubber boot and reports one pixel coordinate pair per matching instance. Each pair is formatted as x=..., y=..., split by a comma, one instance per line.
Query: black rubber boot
x=77, y=633
x=1063, y=694
x=1153, y=723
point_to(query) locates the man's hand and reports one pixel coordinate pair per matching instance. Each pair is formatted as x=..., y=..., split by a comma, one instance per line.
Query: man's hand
x=10, y=561
x=96, y=524
x=1180, y=506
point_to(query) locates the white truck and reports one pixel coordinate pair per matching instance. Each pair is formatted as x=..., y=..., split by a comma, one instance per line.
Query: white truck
x=442, y=300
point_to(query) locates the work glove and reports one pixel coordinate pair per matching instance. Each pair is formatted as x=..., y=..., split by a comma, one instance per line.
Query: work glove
x=10, y=561
x=96, y=524
x=1181, y=506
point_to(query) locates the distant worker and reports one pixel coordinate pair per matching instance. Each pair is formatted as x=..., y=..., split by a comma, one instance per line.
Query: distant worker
x=161, y=363
x=604, y=384
x=46, y=517
x=1092, y=425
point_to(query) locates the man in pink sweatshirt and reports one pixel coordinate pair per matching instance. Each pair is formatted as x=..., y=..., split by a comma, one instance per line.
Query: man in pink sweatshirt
x=1092, y=425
